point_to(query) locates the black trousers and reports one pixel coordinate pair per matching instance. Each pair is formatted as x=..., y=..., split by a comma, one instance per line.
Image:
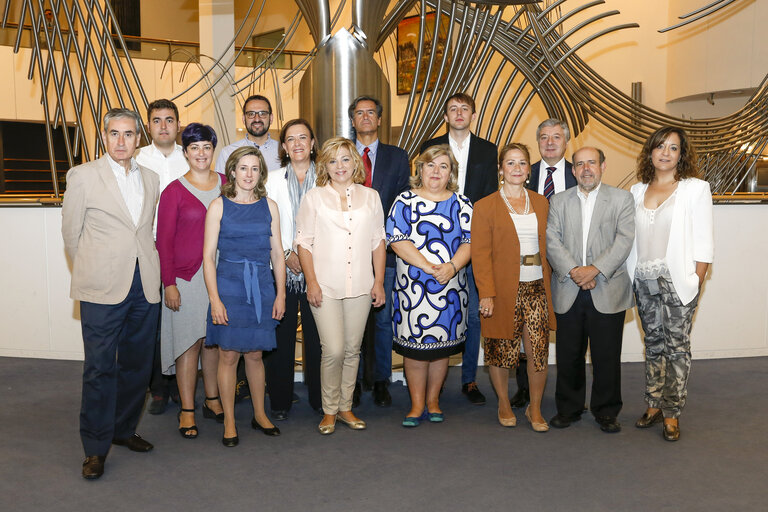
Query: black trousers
x=583, y=326
x=279, y=363
x=118, y=340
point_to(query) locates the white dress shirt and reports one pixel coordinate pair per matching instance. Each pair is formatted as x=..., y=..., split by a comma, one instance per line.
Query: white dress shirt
x=269, y=150
x=168, y=168
x=461, y=154
x=131, y=187
x=587, y=209
x=558, y=177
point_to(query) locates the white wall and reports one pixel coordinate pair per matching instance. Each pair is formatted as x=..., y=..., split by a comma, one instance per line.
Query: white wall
x=39, y=320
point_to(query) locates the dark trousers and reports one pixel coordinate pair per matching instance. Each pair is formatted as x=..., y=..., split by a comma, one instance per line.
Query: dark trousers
x=279, y=363
x=581, y=326
x=118, y=341
x=376, y=350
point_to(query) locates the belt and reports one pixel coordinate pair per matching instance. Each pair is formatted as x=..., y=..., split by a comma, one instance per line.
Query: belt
x=530, y=260
x=251, y=280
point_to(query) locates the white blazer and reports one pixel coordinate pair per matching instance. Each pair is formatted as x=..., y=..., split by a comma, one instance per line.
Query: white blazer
x=691, y=236
x=277, y=190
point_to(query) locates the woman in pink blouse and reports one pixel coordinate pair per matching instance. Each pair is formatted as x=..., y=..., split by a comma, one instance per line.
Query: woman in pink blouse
x=340, y=243
x=180, y=227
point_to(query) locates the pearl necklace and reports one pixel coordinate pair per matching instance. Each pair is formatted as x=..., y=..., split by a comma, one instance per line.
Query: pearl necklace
x=527, y=208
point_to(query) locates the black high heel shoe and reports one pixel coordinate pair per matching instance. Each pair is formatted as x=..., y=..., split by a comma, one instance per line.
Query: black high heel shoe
x=229, y=442
x=274, y=431
x=187, y=432
x=208, y=412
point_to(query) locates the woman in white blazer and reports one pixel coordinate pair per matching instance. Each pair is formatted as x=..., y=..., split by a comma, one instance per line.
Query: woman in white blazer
x=673, y=248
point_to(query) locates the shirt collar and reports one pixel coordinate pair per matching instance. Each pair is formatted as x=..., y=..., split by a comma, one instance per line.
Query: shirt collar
x=592, y=194
x=454, y=142
x=156, y=151
x=558, y=165
x=372, y=147
x=266, y=144
x=117, y=168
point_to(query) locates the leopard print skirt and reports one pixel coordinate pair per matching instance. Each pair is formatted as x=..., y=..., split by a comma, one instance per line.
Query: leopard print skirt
x=530, y=311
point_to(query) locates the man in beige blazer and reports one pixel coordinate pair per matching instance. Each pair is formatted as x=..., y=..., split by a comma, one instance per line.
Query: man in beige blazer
x=590, y=231
x=107, y=217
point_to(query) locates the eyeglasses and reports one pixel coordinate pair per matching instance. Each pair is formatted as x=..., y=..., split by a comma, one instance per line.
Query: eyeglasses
x=253, y=113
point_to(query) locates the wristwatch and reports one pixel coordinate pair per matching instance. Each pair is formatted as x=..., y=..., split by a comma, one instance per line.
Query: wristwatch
x=287, y=253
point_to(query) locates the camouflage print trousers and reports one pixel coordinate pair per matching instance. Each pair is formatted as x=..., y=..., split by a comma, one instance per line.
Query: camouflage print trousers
x=667, y=324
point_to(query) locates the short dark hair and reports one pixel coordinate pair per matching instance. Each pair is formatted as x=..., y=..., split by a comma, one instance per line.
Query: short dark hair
x=197, y=132
x=161, y=104
x=353, y=105
x=461, y=97
x=284, y=158
x=687, y=166
x=258, y=97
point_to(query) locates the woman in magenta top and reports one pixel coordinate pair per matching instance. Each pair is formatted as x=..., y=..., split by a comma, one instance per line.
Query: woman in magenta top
x=180, y=228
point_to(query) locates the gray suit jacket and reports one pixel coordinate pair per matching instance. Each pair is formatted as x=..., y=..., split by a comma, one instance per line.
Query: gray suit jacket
x=611, y=234
x=101, y=239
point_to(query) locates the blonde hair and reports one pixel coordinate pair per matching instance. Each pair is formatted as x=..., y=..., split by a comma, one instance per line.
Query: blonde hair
x=429, y=155
x=329, y=151
x=228, y=189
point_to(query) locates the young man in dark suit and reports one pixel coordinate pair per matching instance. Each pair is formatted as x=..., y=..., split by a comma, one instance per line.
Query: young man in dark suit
x=478, y=178
x=388, y=172
x=550, y=175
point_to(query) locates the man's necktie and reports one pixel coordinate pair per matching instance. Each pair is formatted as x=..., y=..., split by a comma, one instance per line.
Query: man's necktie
x=549, y=185
x=368, y=167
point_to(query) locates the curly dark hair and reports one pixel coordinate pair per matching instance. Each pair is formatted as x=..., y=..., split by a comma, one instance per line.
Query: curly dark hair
x=687, y=166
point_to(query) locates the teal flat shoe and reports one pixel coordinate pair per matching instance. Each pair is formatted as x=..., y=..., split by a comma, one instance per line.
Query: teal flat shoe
x=436, y=417
x=411, y=421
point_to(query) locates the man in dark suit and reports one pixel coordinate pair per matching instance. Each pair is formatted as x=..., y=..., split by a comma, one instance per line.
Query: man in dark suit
x=388, y=172
x=107, y=216
x=478, y=177
x=590, y=232
x=556, y=175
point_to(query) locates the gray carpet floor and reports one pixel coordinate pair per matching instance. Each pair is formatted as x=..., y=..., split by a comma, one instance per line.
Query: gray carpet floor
x=467, y=463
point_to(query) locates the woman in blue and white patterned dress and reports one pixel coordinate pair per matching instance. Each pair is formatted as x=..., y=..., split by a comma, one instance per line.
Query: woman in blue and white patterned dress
x=429, y=229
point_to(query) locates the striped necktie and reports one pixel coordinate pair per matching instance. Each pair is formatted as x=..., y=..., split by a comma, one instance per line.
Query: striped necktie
x=549, y=185
x=368, y=167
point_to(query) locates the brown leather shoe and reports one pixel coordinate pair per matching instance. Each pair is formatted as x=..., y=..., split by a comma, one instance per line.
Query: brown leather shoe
x=647, y=420
x=93, y=466
x=671, y=432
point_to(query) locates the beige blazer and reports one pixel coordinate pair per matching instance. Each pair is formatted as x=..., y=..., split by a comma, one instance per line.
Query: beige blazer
x=100, y=238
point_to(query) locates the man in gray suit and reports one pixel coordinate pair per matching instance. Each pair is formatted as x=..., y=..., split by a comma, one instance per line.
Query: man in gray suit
x=590, y=231
x=107, y=215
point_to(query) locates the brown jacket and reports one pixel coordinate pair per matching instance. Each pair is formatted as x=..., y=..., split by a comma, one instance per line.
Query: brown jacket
x=496, y=260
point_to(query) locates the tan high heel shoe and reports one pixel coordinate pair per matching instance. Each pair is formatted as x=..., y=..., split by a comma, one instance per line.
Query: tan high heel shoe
x=537, y=426
x=507, y=422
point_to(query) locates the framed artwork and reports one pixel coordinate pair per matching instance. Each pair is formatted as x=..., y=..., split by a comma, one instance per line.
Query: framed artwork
x=407, y=49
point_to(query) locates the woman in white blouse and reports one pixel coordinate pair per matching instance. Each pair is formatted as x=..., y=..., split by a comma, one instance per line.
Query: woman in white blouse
x=340, y=243
x=673, y=248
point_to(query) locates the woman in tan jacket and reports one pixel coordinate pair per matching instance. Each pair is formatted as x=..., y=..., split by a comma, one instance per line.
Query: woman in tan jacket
x=508, y=227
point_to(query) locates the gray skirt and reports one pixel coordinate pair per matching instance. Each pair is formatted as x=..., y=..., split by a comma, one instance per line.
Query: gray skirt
x=180, y=329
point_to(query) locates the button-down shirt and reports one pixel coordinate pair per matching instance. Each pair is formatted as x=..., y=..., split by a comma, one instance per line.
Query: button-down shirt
x=168, y=168
x=461, y=154
x=131, y=187
x=558, y=176
x=372, y=152
x=587, y=209
x=269, y=150
x=341, y=242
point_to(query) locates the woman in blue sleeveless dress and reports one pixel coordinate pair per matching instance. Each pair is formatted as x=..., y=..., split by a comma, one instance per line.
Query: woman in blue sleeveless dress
x=244, y=226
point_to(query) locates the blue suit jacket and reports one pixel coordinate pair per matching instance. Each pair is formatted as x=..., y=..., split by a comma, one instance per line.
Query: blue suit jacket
x=533, y=182
x=391, y=175
x=482, y=166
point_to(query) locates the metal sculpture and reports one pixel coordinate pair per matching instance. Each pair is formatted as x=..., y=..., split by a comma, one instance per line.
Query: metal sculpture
x=505, y=53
